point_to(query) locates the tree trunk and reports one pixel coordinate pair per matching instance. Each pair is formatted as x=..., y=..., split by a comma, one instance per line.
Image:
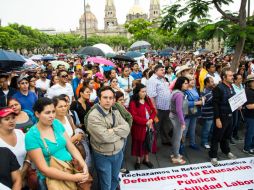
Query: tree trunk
x=240, y=44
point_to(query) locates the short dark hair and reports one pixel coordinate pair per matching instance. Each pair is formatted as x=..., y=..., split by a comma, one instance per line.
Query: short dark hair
x=207, y=80
x=4, y=76
x=224, y=72
x=179, y=83
x=119, y=94
x=56, y=100
x=208, y=65
x=104, y=88
x=236, y=75
x=157, y=67
x=41, y=103
x=82, y=90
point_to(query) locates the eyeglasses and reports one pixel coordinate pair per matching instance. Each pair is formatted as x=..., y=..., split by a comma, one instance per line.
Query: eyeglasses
x=64, y=76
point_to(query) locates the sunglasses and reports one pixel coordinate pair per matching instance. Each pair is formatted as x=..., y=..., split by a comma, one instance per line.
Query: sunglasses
x=64, y=76
x=23, y=83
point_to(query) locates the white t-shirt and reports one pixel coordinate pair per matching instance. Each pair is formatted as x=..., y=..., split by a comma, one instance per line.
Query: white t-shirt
x=216, y=78
x=93, y=96
x=19, y=149
x=3, y=187
x=57, y=90
x=43, y=84
x=68, y=127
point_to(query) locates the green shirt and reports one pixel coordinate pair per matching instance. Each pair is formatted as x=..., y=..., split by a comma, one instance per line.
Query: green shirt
x=57, y=149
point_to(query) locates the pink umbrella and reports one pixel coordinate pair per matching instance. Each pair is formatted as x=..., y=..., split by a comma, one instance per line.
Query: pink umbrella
x=100, y=60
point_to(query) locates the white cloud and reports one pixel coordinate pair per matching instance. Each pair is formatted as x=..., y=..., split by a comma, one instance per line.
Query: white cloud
x=64, y=14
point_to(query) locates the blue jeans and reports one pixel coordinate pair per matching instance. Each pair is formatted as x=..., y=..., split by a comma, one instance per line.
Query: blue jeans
x=206, y=130
x=249, y=135
x=124, y=148
x=190, y=123
x=108, y=169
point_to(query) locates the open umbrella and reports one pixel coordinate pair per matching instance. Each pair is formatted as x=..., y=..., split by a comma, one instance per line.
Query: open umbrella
x=30, y=64
x=92, y=51
x=133, y=54
x=58, y=62
x=36, y=57
x=48, y=58
x=140, y=45
x=110, y=55
x=105, y=48
x=10, y=60
x=100, y=60
x=124, y=58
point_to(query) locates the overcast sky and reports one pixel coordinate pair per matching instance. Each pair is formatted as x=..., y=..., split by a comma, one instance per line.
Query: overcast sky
x=64, y=15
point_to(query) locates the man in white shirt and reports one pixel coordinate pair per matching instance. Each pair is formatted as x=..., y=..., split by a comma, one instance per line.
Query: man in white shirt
x=43, y=83
x=62, y=87
x=212, y=73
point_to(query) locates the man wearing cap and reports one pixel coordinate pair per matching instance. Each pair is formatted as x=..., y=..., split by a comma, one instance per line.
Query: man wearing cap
x=25, y=97
x=6, y=92
x=223, y=116
x=249, y=116
x=158, y=91
x=43, y=83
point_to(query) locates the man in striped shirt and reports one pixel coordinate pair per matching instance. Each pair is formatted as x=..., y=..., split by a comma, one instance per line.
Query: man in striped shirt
x=207, y=111
x=158, y=91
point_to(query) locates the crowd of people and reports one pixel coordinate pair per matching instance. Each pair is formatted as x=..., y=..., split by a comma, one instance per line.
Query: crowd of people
x=87, y=112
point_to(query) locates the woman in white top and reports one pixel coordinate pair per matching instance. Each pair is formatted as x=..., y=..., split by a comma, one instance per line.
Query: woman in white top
x=61, y=107
x=13, y=139
x=125, y=82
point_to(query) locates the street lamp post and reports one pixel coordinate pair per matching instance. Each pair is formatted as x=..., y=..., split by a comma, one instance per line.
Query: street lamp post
x=85, y=23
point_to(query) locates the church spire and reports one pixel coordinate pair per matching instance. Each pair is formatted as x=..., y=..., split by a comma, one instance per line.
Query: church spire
x=110, y=20
x=154, y=9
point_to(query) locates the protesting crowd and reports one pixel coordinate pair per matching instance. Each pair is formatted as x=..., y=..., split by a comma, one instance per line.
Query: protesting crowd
x=63, y=128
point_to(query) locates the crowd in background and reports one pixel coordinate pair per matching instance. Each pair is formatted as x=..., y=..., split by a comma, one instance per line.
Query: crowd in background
x=87, y=112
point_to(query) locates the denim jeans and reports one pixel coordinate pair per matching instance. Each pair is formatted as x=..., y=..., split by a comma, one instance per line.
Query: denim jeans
x=236, y=122
x=249, y=135
x=124, y=148
x=206, y=130
x=108, y=168
x=191, y=122
x=177, y=134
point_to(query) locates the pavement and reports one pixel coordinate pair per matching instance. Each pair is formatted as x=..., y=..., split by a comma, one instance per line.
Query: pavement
x=161, y=158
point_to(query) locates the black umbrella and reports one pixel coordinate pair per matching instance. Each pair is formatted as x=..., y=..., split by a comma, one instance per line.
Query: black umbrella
x=10, y=60
x=123, y=58
x=92, y=51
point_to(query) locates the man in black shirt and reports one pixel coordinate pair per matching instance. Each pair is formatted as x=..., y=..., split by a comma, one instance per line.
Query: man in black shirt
x=6, y=92
x=10, y=176
x=249, y=116
x=223, y=116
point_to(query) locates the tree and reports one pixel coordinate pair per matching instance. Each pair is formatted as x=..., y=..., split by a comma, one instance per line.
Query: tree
x=139, y=28
x=197, y=9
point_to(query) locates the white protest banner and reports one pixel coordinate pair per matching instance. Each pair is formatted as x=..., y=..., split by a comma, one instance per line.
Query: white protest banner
x=228, y=175
x=237, y=100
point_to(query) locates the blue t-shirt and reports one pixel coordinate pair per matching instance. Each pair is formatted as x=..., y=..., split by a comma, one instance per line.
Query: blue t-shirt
x=57, y=149
x=136, y=75
x=26, y=102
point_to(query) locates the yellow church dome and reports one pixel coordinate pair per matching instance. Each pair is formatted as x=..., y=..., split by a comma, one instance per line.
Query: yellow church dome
x=136, y=9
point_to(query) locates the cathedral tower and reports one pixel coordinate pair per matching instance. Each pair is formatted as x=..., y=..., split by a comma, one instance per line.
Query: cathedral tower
x=154, y=9
x=110, y=20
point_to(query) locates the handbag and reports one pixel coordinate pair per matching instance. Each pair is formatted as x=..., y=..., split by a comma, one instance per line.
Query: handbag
x=149, y=138
x=78, y=144
x=72, y=167
x=78, y=169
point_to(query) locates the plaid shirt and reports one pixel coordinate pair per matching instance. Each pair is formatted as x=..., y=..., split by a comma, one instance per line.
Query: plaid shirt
x=158, y=89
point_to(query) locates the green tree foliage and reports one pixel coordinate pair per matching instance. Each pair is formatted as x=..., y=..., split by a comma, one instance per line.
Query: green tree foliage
x=233, y=27
x=15, y=36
